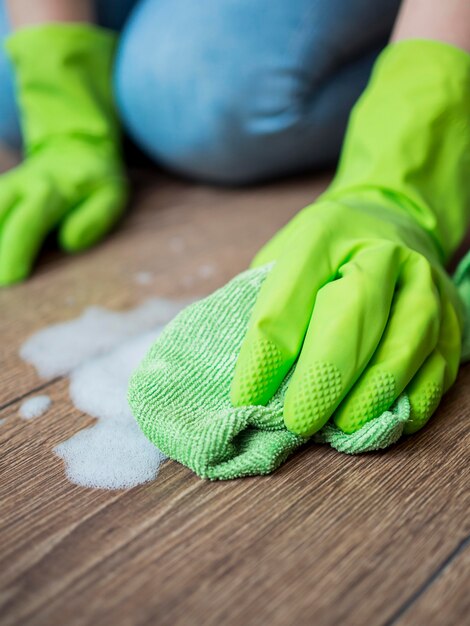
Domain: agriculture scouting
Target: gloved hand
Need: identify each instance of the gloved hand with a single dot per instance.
(358, 298)
(72, 176)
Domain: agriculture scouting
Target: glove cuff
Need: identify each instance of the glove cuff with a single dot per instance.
(408, 138)
(64, 82)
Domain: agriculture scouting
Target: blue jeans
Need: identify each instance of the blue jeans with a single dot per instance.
(235, 91)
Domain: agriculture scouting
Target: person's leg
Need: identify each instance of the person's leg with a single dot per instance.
(110, 13)
(236, 91)
(9, 126)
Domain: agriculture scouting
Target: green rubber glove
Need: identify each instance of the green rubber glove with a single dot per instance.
(358, 298)
(72, 176)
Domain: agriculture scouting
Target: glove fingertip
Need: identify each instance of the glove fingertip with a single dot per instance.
(301, 425)
(91, 221)
(259, 371)
(347, 427)
(73, 238)
(424, 402)
(312, 397)
(242, 392)
(11, 275)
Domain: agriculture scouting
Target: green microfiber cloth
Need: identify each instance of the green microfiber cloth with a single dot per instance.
(180, 394)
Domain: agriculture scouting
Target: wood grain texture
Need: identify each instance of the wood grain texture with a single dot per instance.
(328, 539)
(448, 588)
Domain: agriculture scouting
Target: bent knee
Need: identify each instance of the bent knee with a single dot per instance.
(208, 116)
(208, 131)
(203, 111)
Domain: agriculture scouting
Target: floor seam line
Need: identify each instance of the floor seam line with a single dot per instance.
(428, 582)
(27, 393)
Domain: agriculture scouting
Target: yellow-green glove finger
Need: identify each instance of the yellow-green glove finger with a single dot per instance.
(348, 320)
(280, 319)
(8, 197)
(25, 230)
(411, 334)
(92, 219)
(425, 392)
(437, 374)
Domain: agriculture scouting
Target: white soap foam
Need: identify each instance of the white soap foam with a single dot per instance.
(110, 456)
(113, 453)
(34, 407)
(143, 278)
(99, 386)
(60, 348)
(206, 271)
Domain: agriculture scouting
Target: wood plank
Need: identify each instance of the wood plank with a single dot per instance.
(327, 539)
(448, 588)
(346, 540)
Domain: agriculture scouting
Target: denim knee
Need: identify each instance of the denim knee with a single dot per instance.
(203, 113)
(222, 143)
(197, 127)
(235, 95)
(9, 125)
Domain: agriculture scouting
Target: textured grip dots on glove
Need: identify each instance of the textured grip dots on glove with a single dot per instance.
(423, 405)
(259, 371)
(376, 393)
(310, 402)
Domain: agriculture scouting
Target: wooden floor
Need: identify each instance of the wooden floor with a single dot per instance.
(328, 539)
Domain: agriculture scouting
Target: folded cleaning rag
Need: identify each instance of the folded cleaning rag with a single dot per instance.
(180, 394)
